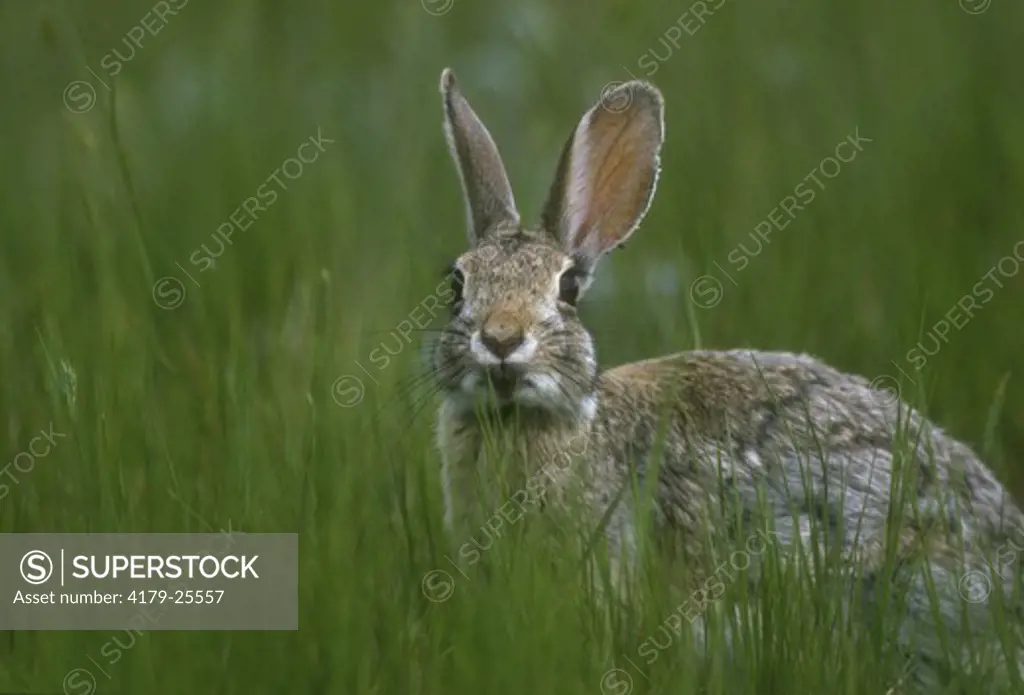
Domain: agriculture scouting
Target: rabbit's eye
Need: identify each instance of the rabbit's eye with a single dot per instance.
(569, 286)
(458, 280)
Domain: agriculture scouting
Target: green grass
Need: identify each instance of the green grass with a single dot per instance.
(220, 411)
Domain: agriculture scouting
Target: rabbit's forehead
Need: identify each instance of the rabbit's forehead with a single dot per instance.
(524, 266)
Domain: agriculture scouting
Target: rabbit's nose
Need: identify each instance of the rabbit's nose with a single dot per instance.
(502, 334)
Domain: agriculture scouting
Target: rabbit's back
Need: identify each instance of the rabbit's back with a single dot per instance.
(803, 432)
(745, 434)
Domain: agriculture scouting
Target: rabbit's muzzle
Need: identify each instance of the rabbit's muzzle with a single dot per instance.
(502, 334)
(505, 365)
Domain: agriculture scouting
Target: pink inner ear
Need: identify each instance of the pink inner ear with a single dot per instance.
(613, 171)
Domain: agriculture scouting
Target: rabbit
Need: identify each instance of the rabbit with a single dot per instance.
(738, 433)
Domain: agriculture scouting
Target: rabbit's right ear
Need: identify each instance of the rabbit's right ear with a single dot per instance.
(607, 173)
(489, 200)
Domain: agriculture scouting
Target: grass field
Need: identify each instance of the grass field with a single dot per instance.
(255, 383)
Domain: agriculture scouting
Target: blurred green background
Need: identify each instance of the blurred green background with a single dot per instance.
(213, 397)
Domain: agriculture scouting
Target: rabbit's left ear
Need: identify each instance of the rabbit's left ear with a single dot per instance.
(489, 200)
(607, 173)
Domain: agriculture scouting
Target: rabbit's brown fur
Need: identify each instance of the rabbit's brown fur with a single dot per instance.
(741, 434)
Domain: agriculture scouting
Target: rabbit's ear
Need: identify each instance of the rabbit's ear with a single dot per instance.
(489, 200)
(608, 171)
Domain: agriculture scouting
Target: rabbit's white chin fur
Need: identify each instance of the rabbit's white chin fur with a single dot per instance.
(533, 390)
